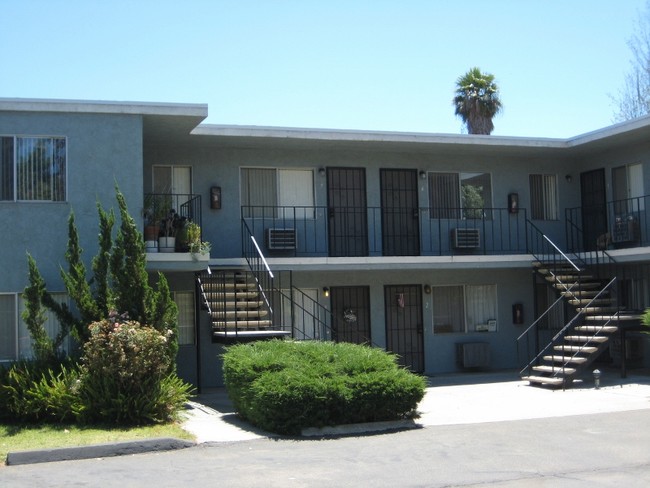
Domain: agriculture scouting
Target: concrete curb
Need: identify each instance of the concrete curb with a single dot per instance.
(96, 451)
(363, 428)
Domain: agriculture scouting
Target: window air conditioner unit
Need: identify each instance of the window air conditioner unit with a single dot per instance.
(280, 239)
(466, 238)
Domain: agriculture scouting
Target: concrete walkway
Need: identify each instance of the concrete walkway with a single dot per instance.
(466, 398)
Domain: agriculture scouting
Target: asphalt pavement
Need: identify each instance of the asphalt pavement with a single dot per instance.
(455, 399)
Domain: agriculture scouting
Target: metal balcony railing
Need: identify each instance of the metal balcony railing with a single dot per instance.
(166, 213)
(375, 231)
(616, 224)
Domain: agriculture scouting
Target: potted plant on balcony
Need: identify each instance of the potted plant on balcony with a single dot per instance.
(155, 209)
(196, 246)
(169, 227)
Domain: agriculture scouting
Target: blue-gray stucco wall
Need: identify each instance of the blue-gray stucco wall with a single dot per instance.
(102, 150)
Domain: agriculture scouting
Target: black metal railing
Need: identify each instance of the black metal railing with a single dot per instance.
(523, 340)
(375, 231)
(166, 213)
(617, 224)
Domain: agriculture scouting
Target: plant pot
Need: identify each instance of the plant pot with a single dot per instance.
(151, 246)
(151, 232)
(166, 244)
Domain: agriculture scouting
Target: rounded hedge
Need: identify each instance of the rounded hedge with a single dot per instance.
(285, 386)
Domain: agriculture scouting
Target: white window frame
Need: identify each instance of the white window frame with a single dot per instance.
(457, 211)
(472, 317)
(15, 183)
(22, 348)
(634, 187)
(190, 325)
(544, 201)
(294, 209)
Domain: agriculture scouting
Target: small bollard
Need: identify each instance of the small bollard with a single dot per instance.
(597, 378)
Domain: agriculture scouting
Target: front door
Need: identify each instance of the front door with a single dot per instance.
(594, 207)
(399, 212)
(350, 314)
(347, 212)
(404, 327)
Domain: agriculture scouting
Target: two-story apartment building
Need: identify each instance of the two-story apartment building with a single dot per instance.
(445, 249)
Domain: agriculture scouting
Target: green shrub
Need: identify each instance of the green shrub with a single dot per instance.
(284, 386)
(125, 375)
(32, 391)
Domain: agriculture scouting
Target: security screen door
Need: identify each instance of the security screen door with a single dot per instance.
(347, 212)
(594, 207)
(404, 326)
(350, 314)
(400, 217)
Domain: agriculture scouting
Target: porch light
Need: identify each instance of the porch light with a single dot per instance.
(568, 178)
(427, 289)
(423, 175)
(597, 379)
(321, 171)
(326, 291)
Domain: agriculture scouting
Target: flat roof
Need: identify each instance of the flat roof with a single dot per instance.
(100, 106)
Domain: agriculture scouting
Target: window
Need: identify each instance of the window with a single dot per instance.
(627, 189)
(15, 341)
(460, 195)
(277, 193)
(32, 168)
(172, 179)
(8, 330)
(185, 302)
(463, 309)
(543, 197)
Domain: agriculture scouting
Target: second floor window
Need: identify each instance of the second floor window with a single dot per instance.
(277, 193)
(33, 168)
(460, 195)
(543, 197)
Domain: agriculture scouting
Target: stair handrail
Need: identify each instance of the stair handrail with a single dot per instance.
(261, 276)
(532, 251)
(569, 325)
(547, 311)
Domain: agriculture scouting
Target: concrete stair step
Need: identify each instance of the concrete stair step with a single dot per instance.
(565, 359)
(597, 329)
(544, 380)
(593, 301)
(241, 324)
(598, 310)
(580, 349)
(586, 339)
(242, 304)
(574, 285)
(231, 295)
(239, 314)
(563, 370)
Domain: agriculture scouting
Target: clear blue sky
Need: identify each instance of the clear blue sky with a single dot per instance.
(345, 64)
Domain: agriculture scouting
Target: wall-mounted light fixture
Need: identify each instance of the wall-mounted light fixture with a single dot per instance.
(568, 178)
(423, 175)
(321, 171)
(326, 291)
(427, 289)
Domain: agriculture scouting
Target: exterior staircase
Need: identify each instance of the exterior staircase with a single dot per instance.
(238, 309)
(586, 336)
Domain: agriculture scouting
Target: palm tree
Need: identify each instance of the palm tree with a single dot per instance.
(477, 101)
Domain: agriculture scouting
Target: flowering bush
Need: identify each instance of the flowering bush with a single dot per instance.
(126, 374)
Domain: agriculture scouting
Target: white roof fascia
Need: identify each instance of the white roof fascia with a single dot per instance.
(612, 130)
(373, 136)
(85, 106)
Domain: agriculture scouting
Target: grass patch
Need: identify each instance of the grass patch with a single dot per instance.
(15, 438)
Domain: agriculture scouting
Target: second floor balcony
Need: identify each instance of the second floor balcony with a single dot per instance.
(171, 223)
(374, 231)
